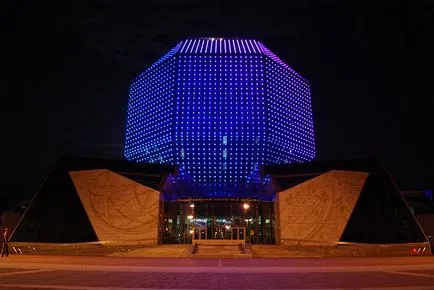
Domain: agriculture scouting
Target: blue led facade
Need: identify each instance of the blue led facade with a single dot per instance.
(218, 109)
(150, 121)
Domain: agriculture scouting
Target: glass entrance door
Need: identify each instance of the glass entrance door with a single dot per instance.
(208, 233)
(200, 233)
(185, 220)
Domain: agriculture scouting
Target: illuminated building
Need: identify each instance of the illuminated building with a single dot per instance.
(219, 145)
(218, 109)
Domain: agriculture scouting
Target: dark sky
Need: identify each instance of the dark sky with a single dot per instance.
(68, 65)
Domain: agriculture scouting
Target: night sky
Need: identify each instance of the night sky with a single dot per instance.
(67, 68)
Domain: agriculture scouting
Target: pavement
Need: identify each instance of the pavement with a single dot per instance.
(133, 273)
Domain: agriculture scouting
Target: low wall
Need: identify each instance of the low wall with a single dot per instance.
(359, 249)
(404, 249)
(85, 249)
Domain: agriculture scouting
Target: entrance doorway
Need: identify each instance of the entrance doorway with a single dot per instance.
(202, 233)
(247, 220)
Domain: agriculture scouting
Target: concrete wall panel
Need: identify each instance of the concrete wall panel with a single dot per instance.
(118, 208)
(316, 212)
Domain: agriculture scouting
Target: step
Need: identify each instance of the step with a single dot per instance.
(221, 251)
(213, 256)
(219, 248)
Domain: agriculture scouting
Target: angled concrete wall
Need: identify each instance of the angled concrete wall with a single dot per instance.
(316, 212)
(118, 208)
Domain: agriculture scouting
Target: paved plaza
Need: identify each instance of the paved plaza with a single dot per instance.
(102, 273)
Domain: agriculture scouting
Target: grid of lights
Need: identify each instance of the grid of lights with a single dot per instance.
(220, 116)
(291, 134)
(150, 115)
(218, 109)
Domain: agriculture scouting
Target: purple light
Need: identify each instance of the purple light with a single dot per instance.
(248, 48)
(206, 46)
(183, 45)
(189, 43)
(242, 44)
(238, 44)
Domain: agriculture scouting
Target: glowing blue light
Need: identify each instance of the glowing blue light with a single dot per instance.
(219, 108)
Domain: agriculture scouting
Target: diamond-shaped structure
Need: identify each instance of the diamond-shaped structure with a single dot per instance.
(218, 109)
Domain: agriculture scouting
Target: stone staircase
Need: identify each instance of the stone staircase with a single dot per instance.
(221, 251)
